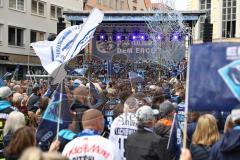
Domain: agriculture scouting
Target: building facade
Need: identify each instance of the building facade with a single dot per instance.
(23, 22)
(110, 5)
(223, 14)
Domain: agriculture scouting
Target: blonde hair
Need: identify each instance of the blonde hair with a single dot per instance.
(36, 154)
(14, 121)
(206, 132)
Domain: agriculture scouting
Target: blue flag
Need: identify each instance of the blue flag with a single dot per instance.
(214, 76)
(175, 140)
(135, 77)
(47, 129)
(98, 99)
(2, 82)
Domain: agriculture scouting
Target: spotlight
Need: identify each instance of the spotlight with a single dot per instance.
(159, 37)
(118, 37)
(176, 37)
(133, 37)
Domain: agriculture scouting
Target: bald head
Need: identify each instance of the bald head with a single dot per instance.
(93, 119)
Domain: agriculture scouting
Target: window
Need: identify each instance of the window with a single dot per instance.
(15, 36)
(38, 7)
(1, 3)
(1, 33)
(99, 1)
(134, 8)
(16, 4)
(121, 5)
(205, 5)
(105, 2)
(111, 4)
(56, 12)
(36, 36)
(229, 18)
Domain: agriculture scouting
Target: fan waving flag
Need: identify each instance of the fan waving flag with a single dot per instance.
(55, 54)
(47, 129)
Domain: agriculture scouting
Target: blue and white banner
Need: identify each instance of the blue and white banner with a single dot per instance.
(175, 142)
(47, 129)
(214, 76)
(67, 45)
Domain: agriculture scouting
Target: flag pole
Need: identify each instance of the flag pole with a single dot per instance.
(186, 103)
(60, 108)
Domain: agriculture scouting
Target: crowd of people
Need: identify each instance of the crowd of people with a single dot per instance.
(121, 122)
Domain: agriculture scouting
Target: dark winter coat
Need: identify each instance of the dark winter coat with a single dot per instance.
(200, 152)
(228, 147)
(145, 145)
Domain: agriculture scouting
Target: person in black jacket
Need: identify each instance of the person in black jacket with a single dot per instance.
(228, 147)
(145, 144)
(80, 103)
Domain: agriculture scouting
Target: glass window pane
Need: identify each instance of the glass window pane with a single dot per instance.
(20, 5)
(33, 36)
(233, 10)
(11, 36)
(41, 9)
(59, 12)
(234, 17)
(53, 12)
(224, 10)
(19, 37)
(224, 17)
(229, 16)
(12, 4)
(229, 3)
(209, 6)
(234, 3)
(34, 7)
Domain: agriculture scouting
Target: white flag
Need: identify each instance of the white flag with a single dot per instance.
(55, 54)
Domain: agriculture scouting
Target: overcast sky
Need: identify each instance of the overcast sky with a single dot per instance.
(179, 4)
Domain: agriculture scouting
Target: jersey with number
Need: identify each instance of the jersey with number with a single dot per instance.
(108, 113)
(122, 126)
(89, 147)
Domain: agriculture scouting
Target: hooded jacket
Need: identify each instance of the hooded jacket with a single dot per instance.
(228, 148)
(5, 110)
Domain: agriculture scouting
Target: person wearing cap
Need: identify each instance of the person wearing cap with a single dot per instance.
(166, 112)
(124, 125)
(5, 109)
(89, 144)
(228, 147)
(144, 143)
(34, 98)
(164, 124)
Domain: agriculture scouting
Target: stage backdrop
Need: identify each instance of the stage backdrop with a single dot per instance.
(132, 50)
(214, 80)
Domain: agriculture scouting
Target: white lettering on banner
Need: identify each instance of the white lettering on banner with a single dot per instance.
(85, 148)
(129, 50)
(3, 116)
(233, 53)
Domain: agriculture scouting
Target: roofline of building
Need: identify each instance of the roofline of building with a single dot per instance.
(138, 13)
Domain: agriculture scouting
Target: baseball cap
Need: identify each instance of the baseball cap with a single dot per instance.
(5, 92)
(235, 114)
(146, 113)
